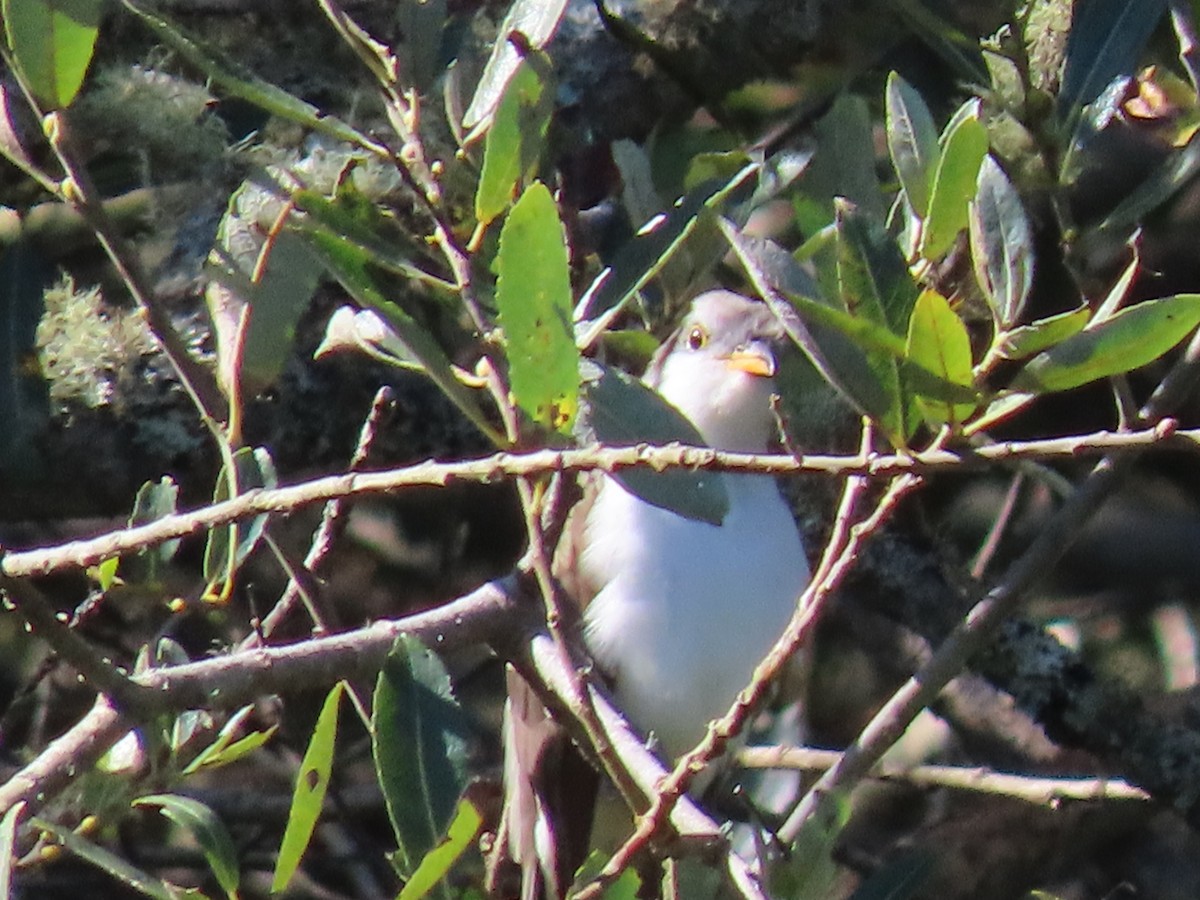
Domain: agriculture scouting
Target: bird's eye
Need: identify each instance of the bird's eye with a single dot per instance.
(697, 338)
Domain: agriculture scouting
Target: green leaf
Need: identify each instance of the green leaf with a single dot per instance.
(51, 42)
(208, 830)
(225, 749)
(938, 342)
(352, 265)
(621, 411)
(533, 296)
(964, 145)
(843, 165)
(24, 397)
(8, 844)
(912, 141)
(110, 862)
(536, 21)
(437, 862)
(1001, 244)
(644, 256)
(809, 872)
(422, 28)
(516, 139)
(1035, 337)
(418, 737)
(900, 878)
(836, 342)
(229, 545)
(309, 795)
(1126, 341)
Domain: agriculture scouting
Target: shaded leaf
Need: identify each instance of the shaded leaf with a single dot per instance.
(533, 295)
(516, 139)
(1037, 336)
(420, 50)
(418, 738)
(621, 411)
(1167, 180)
(899, 878)
(809, 872)
(842, 166)
(51, 42)
(24, 397)
(873, 279)
(1105, 41)
(1128, 340)
(229, 545)
(537, 21)
(1001, 244)
(964, 145)
(437, 862)
(938, 342)
(309, 795)
(912, 140)
(208, 830)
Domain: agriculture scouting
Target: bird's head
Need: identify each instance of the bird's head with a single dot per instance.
(718, 369)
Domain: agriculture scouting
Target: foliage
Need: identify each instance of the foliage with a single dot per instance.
(943, 288)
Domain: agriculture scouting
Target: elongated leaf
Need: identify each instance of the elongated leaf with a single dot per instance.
(115, 865)
(351, 265)
(1035, 337)
(912, 141)
(225, 749)
(309, 795)
(1106, 40)
(208, 830)
(418, 736)
(1130, 339)
(420, 51)
(1001, 244)
(533, 294)
(964, 145)
(648, 251)
(810, 872)
(537, 21)
(621, 411)
(843, 165)
(832, 339)
(229, 545)
(51, 42)
(938, 342)
(437, 862)
(516, 138)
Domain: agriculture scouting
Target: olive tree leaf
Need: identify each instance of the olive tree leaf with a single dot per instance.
(912, 140)
(1001, 244)
(209, 831)
(938, 342)
(964, 145)
(1127, 340)
(51, 42)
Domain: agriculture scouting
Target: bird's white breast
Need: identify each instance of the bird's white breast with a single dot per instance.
(687, 609)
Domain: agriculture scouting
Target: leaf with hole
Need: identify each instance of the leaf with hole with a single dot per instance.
(308, 797)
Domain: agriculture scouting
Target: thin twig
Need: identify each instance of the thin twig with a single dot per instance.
(83, 553)
(1035, 789)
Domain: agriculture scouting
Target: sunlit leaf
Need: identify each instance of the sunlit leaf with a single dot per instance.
(536, 21)
(938, 342)
(208, 830)
(437, 862)
(912, 141)
(51, 42)
(1001, 244)
(1035, 337)
(964, 145)
(418, 736)
(621, 411)
(1126, 341)
(516, 139)
(533, 295)
(227, 747)
(309, 795)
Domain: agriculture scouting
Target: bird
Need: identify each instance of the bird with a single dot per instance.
(677, 613)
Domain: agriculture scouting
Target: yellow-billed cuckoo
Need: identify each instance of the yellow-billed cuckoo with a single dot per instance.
(677, 613)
